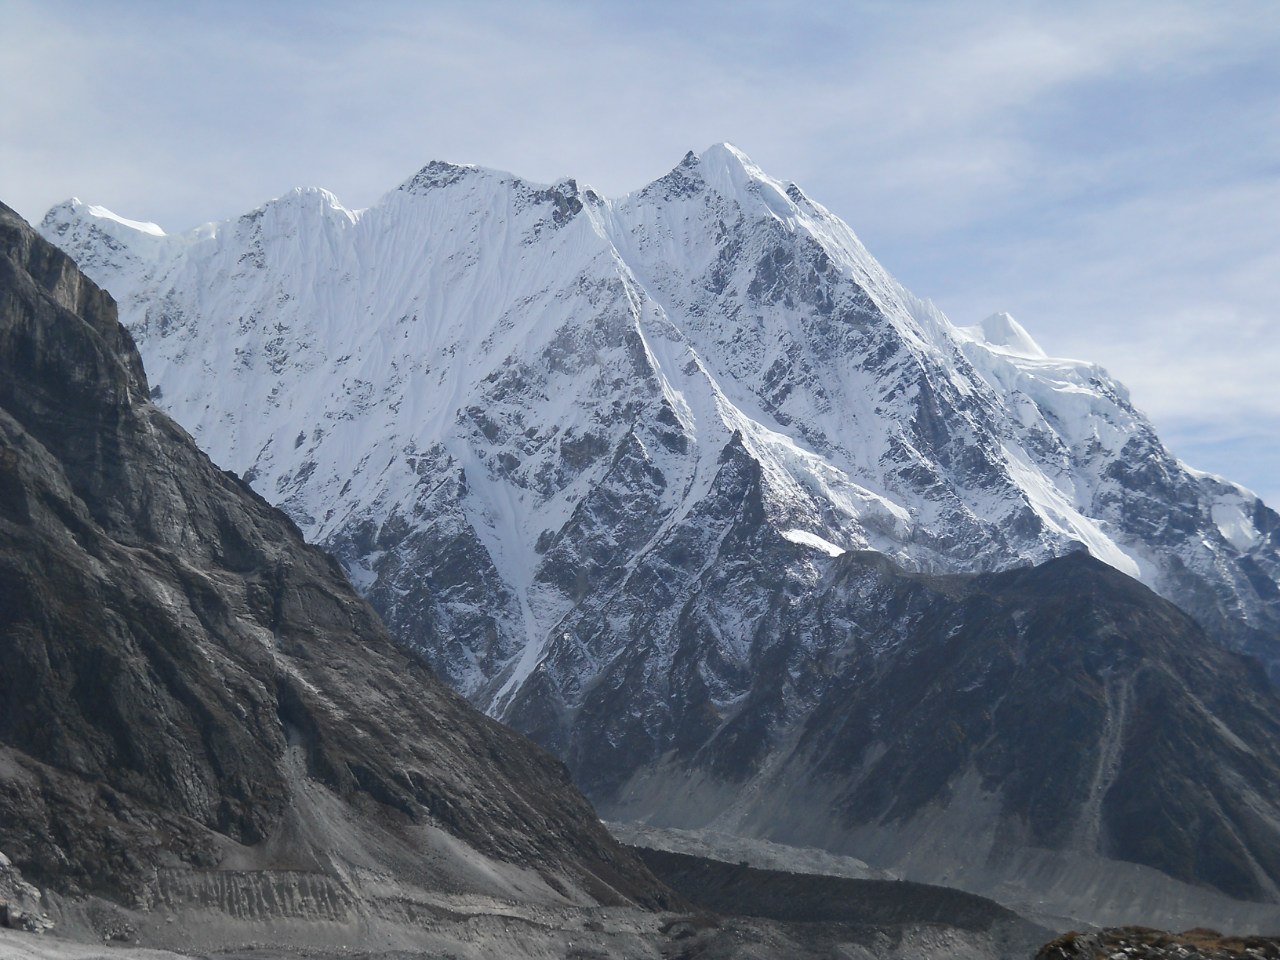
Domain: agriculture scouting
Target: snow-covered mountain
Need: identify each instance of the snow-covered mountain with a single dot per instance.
(590, 455)
(506, 405)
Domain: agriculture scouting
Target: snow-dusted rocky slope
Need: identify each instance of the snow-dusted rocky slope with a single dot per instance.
(600, 459)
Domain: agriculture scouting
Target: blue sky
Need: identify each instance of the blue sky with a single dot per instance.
(1107, 172)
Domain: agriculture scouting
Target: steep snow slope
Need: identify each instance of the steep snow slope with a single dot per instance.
(500, 403)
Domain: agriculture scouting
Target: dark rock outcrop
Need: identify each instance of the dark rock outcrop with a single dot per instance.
(21, 904)
(1143, 943)
(185, 685)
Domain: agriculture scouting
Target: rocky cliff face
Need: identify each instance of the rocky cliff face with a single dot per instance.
(1055, 734)
(188, 690)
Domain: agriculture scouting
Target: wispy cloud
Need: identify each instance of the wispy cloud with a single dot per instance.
(1109, 172)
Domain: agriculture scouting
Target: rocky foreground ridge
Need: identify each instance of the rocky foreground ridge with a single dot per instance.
(1142, 943)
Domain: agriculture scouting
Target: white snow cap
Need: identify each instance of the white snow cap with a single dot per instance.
(731, 173)
(1001, 332)
(142, 227)
(727, 157)
(75, 209)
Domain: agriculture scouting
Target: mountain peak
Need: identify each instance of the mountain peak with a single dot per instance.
(438, 173)
(300, 202)
(725, 154)
(725, 170)
(75, 209)
(731, 172)
(307, 194)
(1001, 332)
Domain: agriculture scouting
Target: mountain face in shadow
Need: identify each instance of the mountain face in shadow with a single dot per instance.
(1057, 733)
